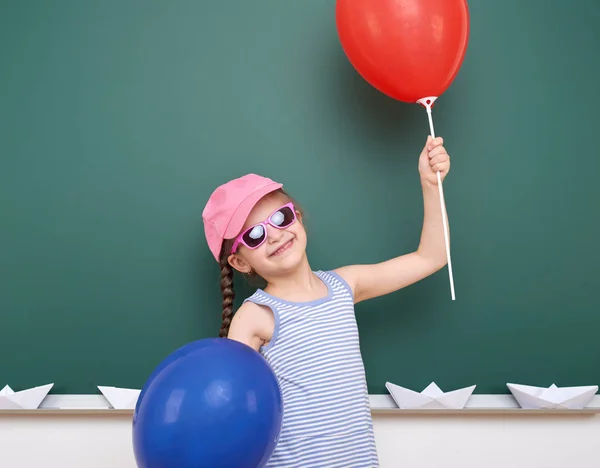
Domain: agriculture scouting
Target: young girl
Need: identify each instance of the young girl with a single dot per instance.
(303, 321)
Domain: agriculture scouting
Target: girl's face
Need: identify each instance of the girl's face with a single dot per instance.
(282, 249)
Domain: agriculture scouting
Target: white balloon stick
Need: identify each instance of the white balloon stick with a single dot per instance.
(427, 103)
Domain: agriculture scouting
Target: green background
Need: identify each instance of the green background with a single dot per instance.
(118, 119)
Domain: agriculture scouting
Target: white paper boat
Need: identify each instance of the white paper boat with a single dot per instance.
(530, 397)
(120, 398)
(430, 398)
(25, 399)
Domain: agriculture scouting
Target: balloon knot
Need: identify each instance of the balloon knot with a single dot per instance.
(427, 102)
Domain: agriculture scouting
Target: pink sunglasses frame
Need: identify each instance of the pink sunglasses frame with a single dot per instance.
(240, 239)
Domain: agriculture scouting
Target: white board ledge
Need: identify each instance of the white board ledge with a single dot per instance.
(479, 404)
(380, 404)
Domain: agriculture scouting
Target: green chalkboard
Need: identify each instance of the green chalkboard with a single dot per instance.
(118, 118)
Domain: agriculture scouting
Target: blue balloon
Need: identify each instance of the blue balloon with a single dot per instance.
(180, 352)
(211, 403)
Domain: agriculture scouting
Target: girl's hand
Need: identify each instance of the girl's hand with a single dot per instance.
(433, 158)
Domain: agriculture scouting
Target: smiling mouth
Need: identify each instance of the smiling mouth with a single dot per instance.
(283, 248)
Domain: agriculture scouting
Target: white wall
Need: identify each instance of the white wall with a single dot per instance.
(406, 441)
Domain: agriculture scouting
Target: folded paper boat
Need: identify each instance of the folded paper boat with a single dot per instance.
(120, 398)
(553, 397)
(431, 397)
(24, 399)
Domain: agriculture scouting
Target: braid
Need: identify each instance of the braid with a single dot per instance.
(228, 295)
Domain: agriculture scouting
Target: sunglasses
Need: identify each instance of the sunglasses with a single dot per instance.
(255, 236)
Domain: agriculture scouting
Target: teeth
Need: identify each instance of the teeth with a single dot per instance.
(282, 247)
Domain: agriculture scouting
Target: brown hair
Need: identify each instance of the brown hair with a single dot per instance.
(226, 288)
(227, 274)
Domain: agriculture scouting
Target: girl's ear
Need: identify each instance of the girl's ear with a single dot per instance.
(299, 216)
(239, 264)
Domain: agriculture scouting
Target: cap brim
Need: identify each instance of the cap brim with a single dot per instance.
(243, 210)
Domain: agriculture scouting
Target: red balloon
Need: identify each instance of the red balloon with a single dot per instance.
(407, 49)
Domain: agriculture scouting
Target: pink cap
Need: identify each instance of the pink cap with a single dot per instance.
(229, 205)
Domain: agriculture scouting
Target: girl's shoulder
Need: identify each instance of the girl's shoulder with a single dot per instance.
(252, 324)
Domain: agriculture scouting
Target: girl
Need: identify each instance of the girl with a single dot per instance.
(303, 321)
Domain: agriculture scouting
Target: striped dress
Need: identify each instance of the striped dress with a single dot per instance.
(315, 354)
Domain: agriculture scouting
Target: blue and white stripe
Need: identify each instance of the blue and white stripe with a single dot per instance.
(315, 354)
